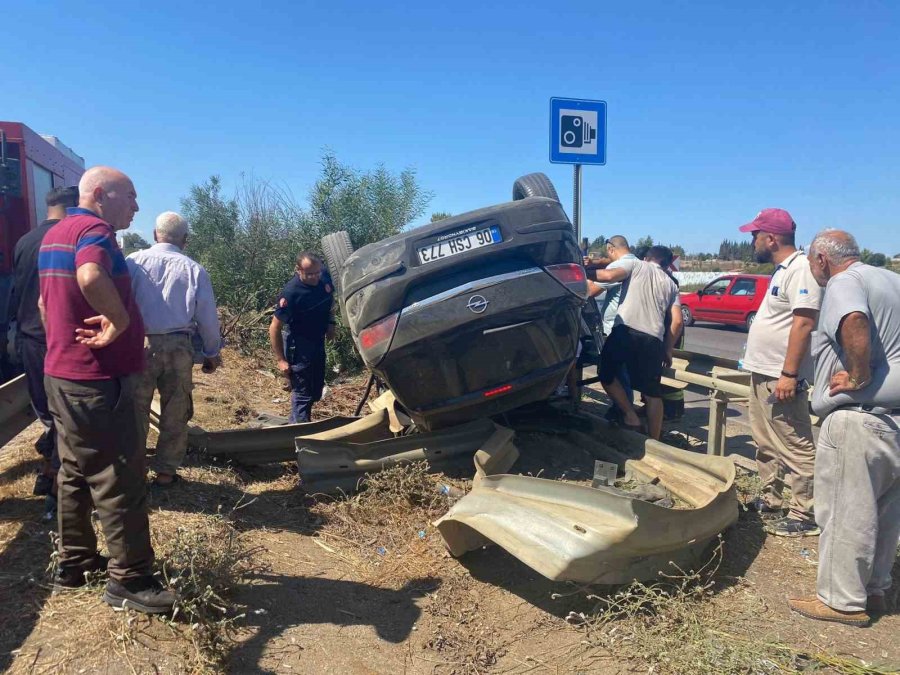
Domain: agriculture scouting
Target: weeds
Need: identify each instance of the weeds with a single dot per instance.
(674, 625)
(204, 564)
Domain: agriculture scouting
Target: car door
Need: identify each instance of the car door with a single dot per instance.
(709, 305)
(740, 301)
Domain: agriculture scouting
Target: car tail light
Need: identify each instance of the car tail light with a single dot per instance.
(374, 340)
(498, 390)
(571, 276)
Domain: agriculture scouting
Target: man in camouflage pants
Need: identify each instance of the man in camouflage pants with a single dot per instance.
(176, 299)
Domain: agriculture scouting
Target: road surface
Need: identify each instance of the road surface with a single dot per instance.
(715, 340)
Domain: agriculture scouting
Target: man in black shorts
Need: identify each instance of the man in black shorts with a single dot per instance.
(647, 326)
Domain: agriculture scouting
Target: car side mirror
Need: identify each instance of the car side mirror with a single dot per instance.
(700, 293)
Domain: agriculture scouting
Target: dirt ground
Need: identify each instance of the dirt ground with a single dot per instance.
(364, 585)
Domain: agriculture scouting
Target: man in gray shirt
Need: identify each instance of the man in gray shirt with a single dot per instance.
(648, 323)
(857, 476)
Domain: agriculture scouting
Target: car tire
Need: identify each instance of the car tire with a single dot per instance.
(686, 316)
(534, 185)
(751, 317)
(337, 248)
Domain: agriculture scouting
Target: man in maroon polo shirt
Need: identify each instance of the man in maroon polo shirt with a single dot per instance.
(95, 341)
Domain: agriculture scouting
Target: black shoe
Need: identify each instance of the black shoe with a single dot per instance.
(145, 594)
(791, 527)
(673, 410)
(43, 485)
(68, 577)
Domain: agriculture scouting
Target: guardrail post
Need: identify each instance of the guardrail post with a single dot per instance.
(718, 406)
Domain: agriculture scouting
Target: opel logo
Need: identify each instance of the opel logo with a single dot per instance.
(477, 303)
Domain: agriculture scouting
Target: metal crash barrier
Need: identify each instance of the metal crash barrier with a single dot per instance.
(720, 379)
(15, 409)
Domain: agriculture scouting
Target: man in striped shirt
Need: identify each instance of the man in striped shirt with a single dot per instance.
(95, 341)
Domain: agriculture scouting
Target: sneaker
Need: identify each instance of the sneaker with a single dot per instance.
(144, 594)
(765, 511)
(69, 577)
(791, 527)
(813, 608)
(43, 485)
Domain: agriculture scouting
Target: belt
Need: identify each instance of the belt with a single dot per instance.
(871, 409)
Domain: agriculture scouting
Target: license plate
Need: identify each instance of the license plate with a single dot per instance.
(461, 243)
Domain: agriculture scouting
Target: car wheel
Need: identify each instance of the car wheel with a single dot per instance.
(686, 316)
(751, 317)
(337, 248)
(534, 185)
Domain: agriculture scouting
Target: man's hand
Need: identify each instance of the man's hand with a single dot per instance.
(211, 363)
(668, 358)
(103, 336)
(785, 388)
(842, 382)
(284, 368)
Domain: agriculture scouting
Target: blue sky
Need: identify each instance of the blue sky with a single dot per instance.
(716, 110)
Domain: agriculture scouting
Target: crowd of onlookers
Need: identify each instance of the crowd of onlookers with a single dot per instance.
(827, 320)
(99, 334)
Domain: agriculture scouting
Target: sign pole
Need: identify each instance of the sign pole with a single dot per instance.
(576, 208)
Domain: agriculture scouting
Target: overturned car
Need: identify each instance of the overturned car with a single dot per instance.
(470, 316)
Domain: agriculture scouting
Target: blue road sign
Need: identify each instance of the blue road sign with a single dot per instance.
(577, 131)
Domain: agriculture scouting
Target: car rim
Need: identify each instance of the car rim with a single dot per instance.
(686, 315)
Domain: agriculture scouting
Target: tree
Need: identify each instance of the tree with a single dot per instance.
(644, 241)
(599, 244)
(440, 215)
(872, 258)
(249, 242)
(132, 241)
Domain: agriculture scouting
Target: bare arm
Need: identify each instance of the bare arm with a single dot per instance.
(855, 340)
(676, 325)
(802, 326)
(277, 343)
(98, 289)
(42, 310)
(614, 275)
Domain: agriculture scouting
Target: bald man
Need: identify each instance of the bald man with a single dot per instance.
(95, 341)
(857, 396)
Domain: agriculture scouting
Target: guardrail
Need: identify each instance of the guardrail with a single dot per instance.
(720, 378)
(717, 377)
(15, 409)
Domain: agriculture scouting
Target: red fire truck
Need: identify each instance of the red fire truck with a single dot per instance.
(31, 165)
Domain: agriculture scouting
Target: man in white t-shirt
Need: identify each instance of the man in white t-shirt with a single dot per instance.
(778, 358)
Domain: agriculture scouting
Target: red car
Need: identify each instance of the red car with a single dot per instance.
(732, 299)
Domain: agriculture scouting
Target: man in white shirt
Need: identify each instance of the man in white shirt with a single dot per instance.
(613, 279)
(176, 299)
(778, 358)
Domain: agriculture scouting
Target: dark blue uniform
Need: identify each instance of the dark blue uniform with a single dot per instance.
(306, 311)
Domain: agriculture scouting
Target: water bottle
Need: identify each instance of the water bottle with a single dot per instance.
(743, 354)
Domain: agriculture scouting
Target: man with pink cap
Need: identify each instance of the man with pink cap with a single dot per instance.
(778, 358)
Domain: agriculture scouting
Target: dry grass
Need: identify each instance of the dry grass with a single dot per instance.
(386, 528)
(675, 625)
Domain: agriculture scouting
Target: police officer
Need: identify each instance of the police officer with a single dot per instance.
(304, 309)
